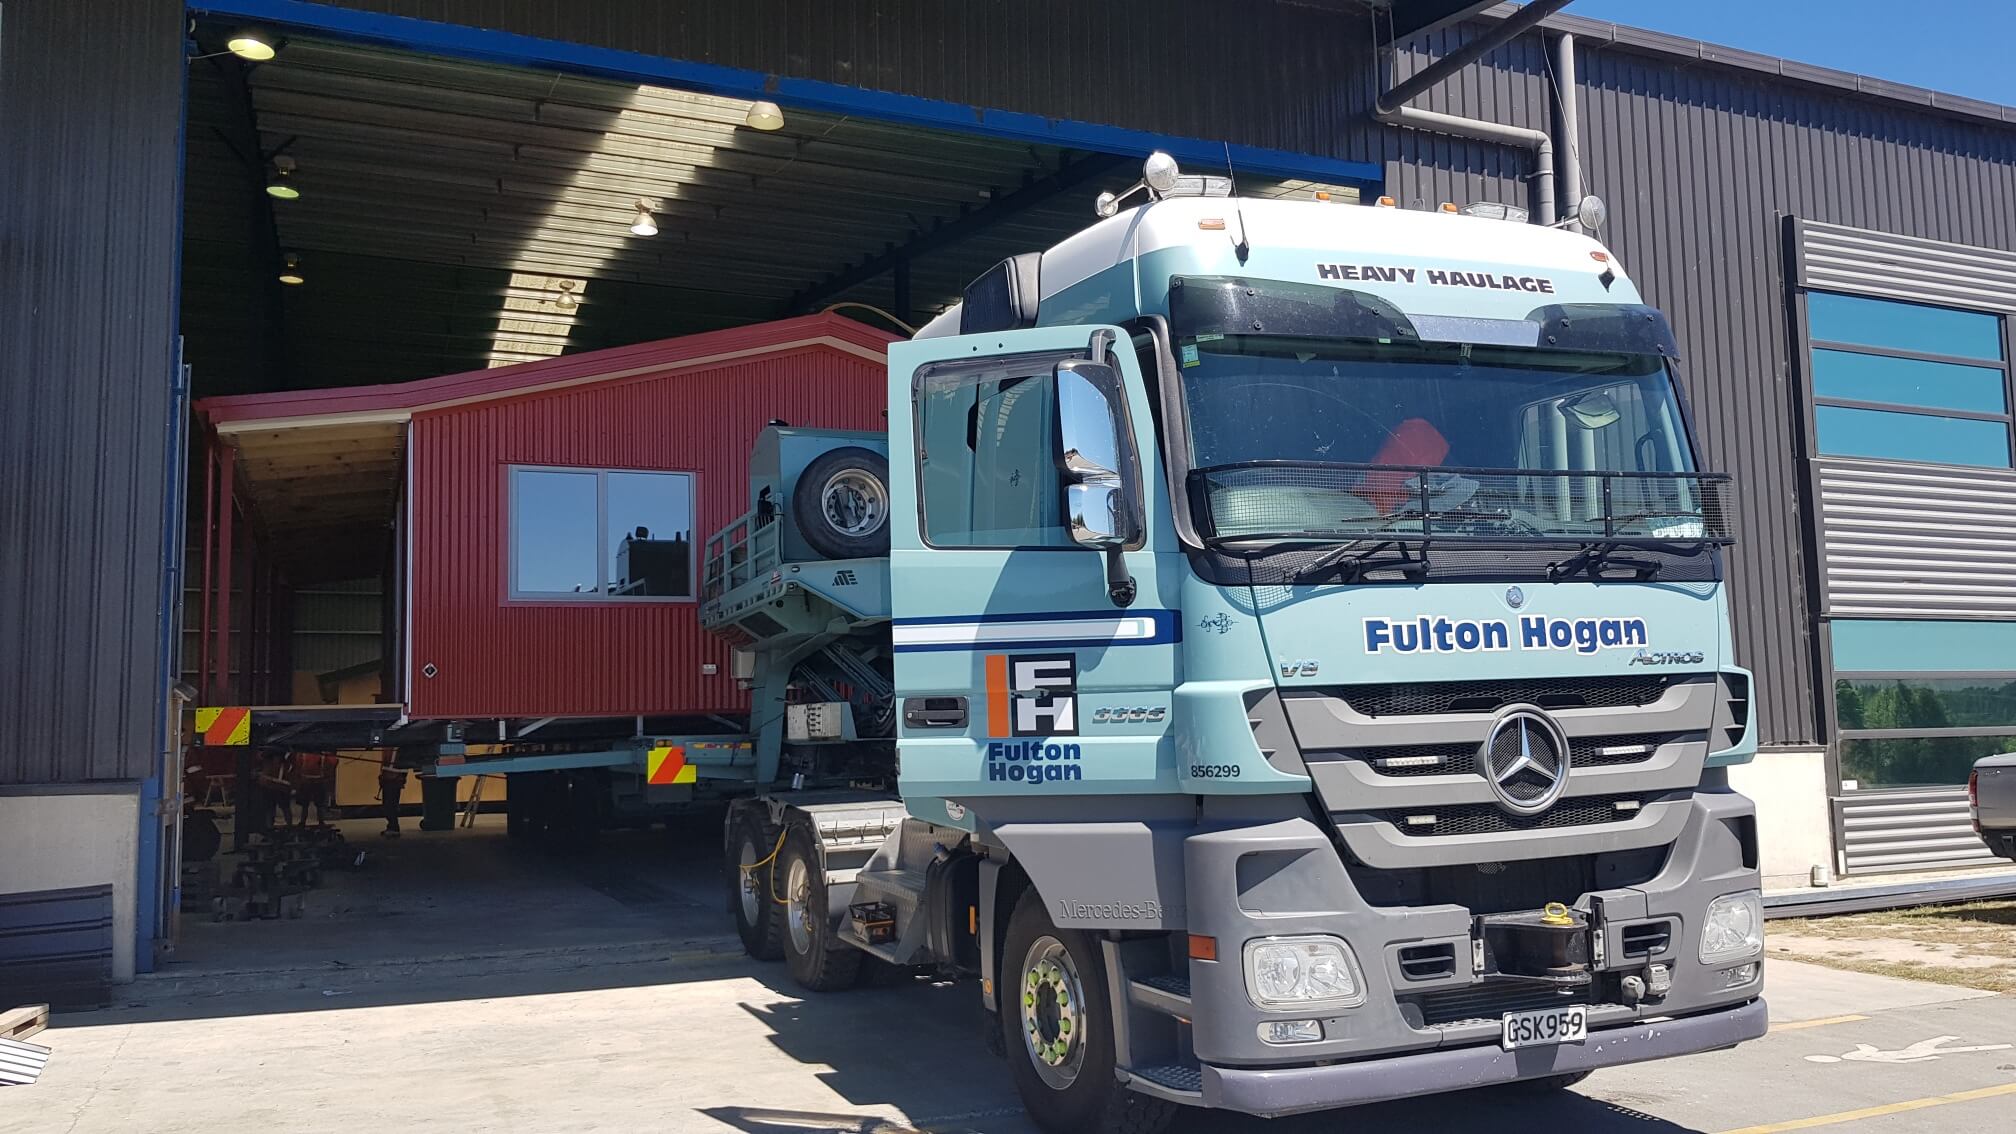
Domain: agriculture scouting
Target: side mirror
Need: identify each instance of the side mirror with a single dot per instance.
(1100, 504)
(1097, 505)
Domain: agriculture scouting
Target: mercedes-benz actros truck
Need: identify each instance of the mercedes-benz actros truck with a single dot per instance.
(1279, 650)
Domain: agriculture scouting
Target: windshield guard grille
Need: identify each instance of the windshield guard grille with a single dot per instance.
(1300, 500)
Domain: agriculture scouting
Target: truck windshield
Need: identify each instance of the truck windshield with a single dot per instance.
(1294, 437)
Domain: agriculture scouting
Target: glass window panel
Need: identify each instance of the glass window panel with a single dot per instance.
(1908, 381)
(987, 472)
(1845, 432)
(553, 532)
(650, 534)
(1879, 646)
(1925, 702)
(1927, 761)
(1903, 326)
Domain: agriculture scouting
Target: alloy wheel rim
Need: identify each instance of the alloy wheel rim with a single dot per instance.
(1053, 1013)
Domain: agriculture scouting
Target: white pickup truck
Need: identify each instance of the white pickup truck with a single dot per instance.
(1991, 796)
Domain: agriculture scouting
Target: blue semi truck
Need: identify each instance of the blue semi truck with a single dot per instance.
(1279, 650)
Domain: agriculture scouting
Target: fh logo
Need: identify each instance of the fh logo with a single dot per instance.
(1032, 695)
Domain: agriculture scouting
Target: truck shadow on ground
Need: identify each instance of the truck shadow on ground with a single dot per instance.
(915, 1047)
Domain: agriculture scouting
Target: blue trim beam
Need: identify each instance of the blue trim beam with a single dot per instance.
(490, 46)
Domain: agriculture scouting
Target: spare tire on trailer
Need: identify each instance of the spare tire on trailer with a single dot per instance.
(841, 504)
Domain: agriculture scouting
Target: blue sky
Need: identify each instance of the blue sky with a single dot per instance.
(1960, 46)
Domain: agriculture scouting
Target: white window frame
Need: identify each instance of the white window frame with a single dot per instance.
(599, 595)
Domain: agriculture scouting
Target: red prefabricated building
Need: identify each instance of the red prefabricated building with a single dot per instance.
(693, 405)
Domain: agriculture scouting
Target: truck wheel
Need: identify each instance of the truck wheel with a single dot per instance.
(1057, 1025)
(819, 960)
(758, 919)
(841, 504)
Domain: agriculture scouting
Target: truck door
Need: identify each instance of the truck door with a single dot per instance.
(1016, 668)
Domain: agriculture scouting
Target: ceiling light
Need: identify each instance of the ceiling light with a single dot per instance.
(250, 45)
(290, 272)
(280, 182)
(644, 225)
(765, 116)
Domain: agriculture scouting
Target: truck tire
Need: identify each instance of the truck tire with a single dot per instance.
(759, 920)
(819, 960)
(841, 504)
(1057, 1026)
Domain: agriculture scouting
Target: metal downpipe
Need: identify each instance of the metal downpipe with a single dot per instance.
(1537, 141)
(1390, 108)
(1571, 125)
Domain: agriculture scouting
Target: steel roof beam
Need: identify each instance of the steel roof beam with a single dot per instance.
(946, 232)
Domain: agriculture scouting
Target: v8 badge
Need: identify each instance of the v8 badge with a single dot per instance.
(1299, 667)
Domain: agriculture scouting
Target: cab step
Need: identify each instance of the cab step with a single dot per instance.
(1173, 1081)
(1168, 993)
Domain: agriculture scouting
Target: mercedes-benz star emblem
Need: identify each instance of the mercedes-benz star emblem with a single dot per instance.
(1525, 759)
(1515, 598)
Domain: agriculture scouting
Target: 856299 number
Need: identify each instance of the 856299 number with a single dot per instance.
(1214, 771)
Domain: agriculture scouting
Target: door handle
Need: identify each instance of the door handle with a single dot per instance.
(934, 712)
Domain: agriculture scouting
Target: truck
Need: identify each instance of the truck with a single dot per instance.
(1278, 651)
(1991, 802)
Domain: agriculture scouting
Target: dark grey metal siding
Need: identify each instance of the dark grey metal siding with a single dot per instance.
(1245, 71)
(1700, 164)
(89, 196)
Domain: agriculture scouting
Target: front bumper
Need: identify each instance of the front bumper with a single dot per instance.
(1272, 1092)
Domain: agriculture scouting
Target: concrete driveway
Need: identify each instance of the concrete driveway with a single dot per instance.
(707, 1041)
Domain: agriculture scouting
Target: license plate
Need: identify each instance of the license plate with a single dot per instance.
(1545, 1027)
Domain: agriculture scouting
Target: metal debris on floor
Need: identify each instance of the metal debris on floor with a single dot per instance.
(21, 1063)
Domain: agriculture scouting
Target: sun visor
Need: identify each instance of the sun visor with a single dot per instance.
(1003, 298)
(1231, 305)
(1608, 328)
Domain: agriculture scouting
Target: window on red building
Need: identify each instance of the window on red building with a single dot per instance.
(611, 535)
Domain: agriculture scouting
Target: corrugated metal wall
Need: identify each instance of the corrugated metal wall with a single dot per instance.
(1700, 165)
(1254, 72)
(498, 659)
(89, 202)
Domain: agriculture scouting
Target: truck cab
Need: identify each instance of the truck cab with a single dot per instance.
(1312, 664)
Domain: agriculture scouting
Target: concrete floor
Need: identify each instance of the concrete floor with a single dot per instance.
(723, 1044)
(467, 901)
(605, 992)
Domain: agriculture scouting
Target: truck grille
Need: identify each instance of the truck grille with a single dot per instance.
(1485, 1002)
(1488, 819)
(1461, 759)
(1425, 698)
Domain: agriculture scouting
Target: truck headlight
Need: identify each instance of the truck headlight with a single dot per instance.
(1302, 972)
(1733, 928)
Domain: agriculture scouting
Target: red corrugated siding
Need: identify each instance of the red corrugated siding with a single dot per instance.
(500, 659)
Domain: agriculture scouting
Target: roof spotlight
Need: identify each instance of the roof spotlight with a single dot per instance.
(1159, 172)
(645, 224)
(290, 270)
(764, 116)
(1106, 205)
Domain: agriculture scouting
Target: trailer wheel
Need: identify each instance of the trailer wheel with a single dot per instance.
(819, 960)
(758, 918)
(1057, 1025)
(841, 504)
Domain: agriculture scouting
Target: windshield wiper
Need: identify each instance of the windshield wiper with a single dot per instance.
(1597, 558)
(1353, 564)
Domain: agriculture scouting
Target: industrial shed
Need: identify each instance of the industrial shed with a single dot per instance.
(468, 175)
(540, 522)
